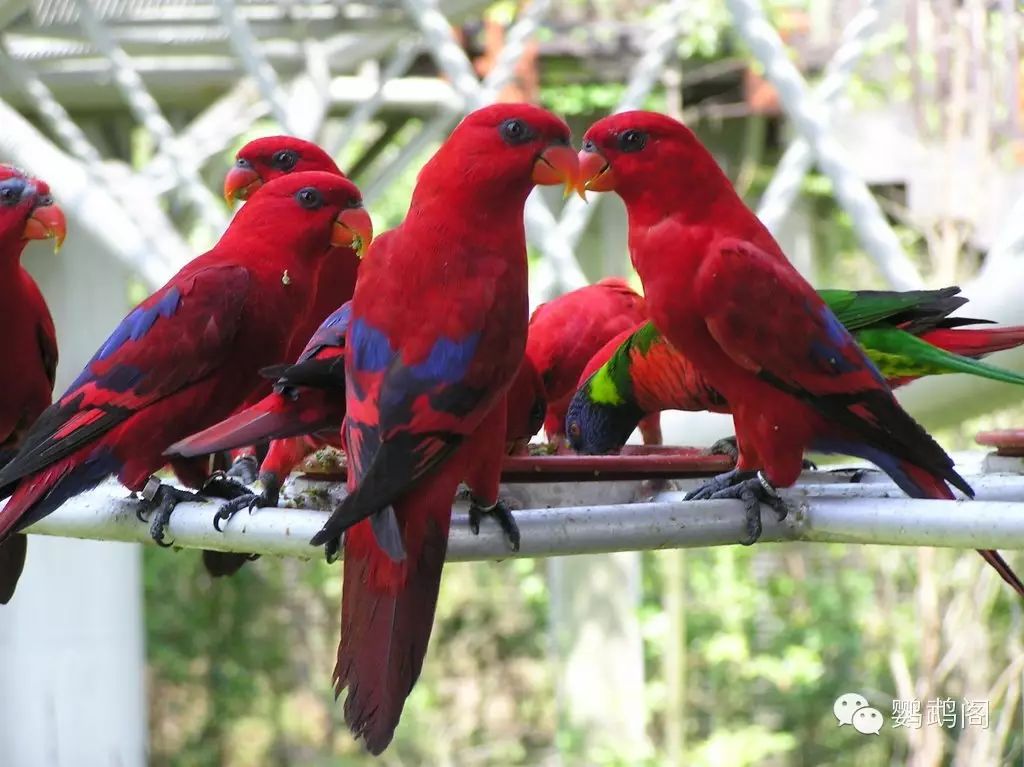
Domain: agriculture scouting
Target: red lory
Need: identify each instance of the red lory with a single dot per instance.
(438, 332)
(723, 293)
(188, 355)
(566, 332)
(29, 363)
(907, 335)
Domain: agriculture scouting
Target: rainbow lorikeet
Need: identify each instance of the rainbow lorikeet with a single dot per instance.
(639, 373)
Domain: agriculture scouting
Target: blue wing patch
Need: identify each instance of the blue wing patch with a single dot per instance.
(132, 328)
(448, 360)
(371, 351)
(330, 333)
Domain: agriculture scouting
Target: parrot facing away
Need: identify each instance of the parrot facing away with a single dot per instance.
(721, 290)
(639, 372)
(28, 366)
(306, 409)
(188, 355)
(564, 334)
(438, 332)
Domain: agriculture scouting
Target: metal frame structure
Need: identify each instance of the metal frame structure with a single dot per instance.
(827, 508)
(287, 63)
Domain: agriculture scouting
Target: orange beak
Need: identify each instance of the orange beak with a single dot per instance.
(353, 229)
(558, 164)
(47, 222)
(596, 175)
(240, 183)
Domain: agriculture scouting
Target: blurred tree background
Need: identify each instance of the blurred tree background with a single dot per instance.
(745, 650)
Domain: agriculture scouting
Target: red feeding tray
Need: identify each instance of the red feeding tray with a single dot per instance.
(635, 462)
(1005, 441)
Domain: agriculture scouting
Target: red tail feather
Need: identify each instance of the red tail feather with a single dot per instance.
(388, 611)
(976, 342)
(933, 487)
(273, 417)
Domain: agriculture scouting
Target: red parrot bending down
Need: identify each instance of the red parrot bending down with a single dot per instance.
(723, 293)
(566, 332)
(28, 365)
(188, 355)
(438, 332)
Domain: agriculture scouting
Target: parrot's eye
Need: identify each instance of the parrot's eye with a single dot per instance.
(10, 193)
(589, 146)
(284, 160)
(241, 162)
(632, 140)
(515, 131)
(44, 200)
(574, 431)
(309, 198)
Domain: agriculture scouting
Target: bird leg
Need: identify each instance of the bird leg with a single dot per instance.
(245, 469)
(501, 513)
(160, 500)
(269, 497)
(754, 491)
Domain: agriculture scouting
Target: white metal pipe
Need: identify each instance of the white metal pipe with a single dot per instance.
(797, 159)
(247, 46)
(862, 513)
(873, 231)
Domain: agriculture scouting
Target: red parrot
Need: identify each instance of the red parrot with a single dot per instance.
(29, 363)
(565, 333)
(722, 292)
(527, 404)
(256, 163)
(438, 332)
(188, 355)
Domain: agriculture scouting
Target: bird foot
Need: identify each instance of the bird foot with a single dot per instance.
(753, 492)
(245, 469)
(159, 500)
(270, 496)
(717, 483)
(501, 513)
(220, 485)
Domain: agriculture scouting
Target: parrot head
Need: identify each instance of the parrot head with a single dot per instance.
(322, 210)
(527, 405)
(27, 210)
(624, 152)
(599, 419)
(265, 159)
(503, 150)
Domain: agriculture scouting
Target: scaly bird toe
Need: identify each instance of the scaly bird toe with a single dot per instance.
(501, 514)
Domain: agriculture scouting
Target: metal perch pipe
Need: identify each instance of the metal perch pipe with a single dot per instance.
(835, 512)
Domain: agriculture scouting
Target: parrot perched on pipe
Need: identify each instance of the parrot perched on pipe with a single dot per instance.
(188, 355)
(639, 373)
(256, 163)
(564, 334)
(438, 332)
(28, 365)
(719, 287)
